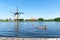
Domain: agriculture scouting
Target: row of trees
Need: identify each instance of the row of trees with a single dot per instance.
(39, 19)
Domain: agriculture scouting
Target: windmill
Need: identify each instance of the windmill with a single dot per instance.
(16, 14)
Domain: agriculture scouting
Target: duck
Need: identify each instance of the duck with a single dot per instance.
(42, 27)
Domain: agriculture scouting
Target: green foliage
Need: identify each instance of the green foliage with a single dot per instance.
(19, 19)
(40, 19)
(6, 20)
(57, 19)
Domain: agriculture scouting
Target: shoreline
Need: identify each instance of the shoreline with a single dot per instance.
(12, 38)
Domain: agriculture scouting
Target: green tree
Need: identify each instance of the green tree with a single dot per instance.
(40, 19)
(57, 19)
(20, 19)
(6, 20)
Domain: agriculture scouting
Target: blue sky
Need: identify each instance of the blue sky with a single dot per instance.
(47, 9)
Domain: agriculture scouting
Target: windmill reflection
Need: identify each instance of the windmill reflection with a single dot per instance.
(16, 27)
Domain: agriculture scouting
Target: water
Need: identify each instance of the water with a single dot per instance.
(30, 29)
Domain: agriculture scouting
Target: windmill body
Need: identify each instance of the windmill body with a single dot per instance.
(16, 16)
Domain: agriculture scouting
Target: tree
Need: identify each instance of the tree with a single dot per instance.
(20, 19)
(57, 19)
(6, 20)
(40, 19)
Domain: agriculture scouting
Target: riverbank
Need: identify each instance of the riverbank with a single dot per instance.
(30, 21)
(11, 38)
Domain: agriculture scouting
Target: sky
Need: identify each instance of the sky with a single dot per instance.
(47, 9)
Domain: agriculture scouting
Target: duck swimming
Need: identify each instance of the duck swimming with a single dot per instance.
(43, 27)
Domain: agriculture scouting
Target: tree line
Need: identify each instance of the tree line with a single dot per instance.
(39, 19)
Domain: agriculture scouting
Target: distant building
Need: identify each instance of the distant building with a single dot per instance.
(32, 19)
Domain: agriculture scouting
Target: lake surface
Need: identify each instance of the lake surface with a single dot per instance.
(30, 29)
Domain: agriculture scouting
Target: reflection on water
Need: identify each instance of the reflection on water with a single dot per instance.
(17, 27)
(30, 29)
